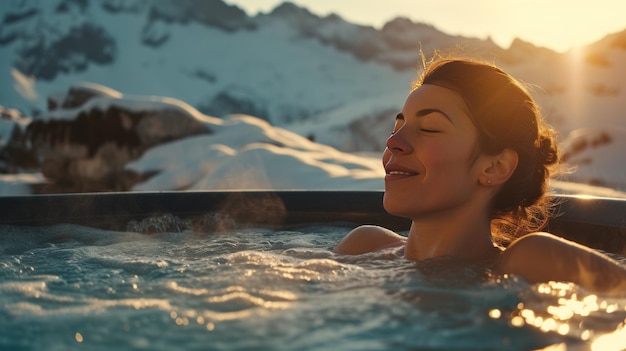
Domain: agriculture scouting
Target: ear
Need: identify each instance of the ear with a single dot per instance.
(499, 168)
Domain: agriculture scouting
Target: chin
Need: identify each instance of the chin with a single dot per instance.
(395, 207)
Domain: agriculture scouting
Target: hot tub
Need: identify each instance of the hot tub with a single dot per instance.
(255, 270)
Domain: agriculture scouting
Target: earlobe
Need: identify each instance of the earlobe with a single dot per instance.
(500, 168)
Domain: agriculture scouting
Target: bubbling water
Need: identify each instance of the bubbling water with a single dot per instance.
(257, 288)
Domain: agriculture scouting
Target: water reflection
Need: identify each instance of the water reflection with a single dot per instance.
(568, 310)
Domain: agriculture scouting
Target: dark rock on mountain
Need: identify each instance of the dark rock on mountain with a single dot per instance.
(13, 17)
(212, 13)
(73, 52)
(224, 102)
(65, 6)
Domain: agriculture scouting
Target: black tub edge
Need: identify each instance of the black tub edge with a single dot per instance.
(597, 222)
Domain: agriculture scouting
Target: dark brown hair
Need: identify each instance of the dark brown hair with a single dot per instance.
(506, 116)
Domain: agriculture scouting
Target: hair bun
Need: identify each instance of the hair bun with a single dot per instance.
(547, 152)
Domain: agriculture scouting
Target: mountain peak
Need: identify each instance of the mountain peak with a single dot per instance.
(289, 8)
(214, 13)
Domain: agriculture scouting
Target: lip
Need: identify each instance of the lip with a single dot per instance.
(397, 172)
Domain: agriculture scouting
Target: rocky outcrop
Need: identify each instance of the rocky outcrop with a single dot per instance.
(92, 132)
(13, 156)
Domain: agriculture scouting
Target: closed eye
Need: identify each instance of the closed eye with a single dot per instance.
(430, 130)
(398, 123)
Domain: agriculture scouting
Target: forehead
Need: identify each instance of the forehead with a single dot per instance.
(430, 96)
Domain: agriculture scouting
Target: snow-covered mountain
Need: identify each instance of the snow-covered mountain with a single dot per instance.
(323, 78)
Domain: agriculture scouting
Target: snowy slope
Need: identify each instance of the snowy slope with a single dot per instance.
(279, 74)
(598, 155)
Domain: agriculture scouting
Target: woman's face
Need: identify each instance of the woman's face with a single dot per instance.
(429, 159)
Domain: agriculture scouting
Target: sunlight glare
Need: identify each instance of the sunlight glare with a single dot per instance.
(576, 74)
(561, 309)
(615, 341)
(78, 337)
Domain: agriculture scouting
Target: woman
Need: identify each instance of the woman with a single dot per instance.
(468, 161)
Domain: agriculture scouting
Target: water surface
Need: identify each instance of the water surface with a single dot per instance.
(69, 287)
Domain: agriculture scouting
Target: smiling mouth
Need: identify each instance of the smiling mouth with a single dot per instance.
(401, 173)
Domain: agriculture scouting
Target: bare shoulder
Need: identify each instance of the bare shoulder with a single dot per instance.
(537, 242)
(543, 257)
(532, 251)
(368, 238)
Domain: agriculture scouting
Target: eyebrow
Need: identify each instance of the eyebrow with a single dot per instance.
(428, 111)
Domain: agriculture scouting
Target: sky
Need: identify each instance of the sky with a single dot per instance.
(556, 24)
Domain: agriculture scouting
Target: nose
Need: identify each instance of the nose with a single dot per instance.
(398, 144)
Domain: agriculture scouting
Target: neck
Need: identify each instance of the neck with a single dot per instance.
(465, 236)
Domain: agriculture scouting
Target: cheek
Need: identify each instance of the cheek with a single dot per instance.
(447, 156)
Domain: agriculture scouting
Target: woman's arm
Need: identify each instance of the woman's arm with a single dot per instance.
(543, 257)
(368, 238)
